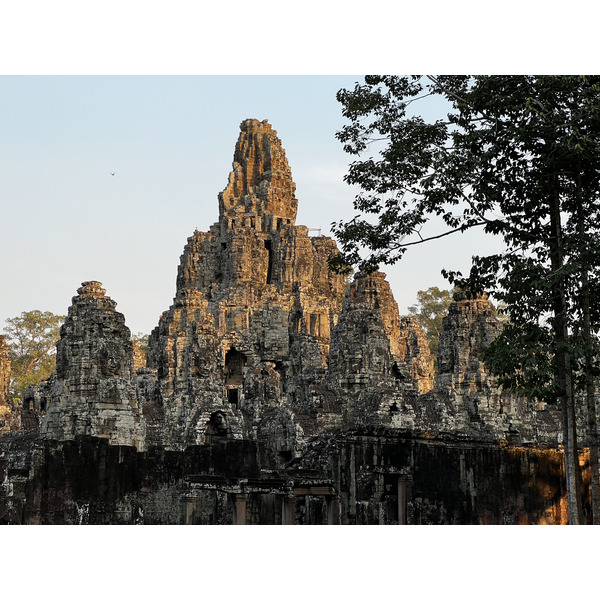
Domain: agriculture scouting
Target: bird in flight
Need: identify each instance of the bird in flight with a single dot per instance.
(113, 173)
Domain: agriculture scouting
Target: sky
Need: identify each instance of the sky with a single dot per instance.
(157, 96)
(170, 141)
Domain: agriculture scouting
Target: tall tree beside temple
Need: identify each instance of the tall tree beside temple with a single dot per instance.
(518, 156)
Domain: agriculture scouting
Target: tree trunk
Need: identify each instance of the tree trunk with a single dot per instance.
(589, 380)
(563, 363)
(592, 425)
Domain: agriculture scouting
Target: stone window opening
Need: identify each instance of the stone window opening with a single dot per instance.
(223, 245)
(397, 373)
(279, 224)
(233, 395)
(270, 265)
(285, 455)
(234, 368)
(280, 370)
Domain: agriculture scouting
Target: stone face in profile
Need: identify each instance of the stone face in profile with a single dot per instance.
(414, 355)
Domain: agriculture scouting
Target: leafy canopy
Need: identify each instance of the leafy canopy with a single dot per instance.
(32, 338)
(431, 307)
(519, 157)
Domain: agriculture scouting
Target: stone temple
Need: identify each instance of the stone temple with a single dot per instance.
(274, 391)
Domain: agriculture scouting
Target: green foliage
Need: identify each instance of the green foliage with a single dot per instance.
(32, 341)
(141, 339)
(521, 358)
(431, 307)
(518, 156)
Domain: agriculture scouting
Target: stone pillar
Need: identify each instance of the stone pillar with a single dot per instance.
(239, 509)
(333, 510)
(402, 487)
(288, 513)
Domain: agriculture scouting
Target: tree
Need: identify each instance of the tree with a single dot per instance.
(142, 340)
(519, 157)
(32, 341)
(432, 306)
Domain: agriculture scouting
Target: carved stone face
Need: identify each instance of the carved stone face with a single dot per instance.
(217, 425)
(111, 359)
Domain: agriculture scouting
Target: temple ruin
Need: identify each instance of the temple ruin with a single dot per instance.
(274, 392)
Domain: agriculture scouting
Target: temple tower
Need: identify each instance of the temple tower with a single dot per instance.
(93, 392)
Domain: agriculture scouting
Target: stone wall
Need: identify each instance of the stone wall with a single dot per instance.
(351, 480)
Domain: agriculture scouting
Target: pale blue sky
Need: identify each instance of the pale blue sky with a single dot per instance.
(170, 141)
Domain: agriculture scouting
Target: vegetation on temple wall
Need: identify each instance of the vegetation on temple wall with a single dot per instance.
(31, 338)
(519, 157)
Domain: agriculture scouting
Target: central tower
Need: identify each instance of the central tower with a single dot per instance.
(260, 192)
(251, 322)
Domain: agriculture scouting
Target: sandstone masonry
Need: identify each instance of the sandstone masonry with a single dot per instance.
(93, 392)
(5, 409)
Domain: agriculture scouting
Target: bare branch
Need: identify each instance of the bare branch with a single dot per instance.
(437, 237)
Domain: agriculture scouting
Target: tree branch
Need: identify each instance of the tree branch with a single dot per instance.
(437, 237)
